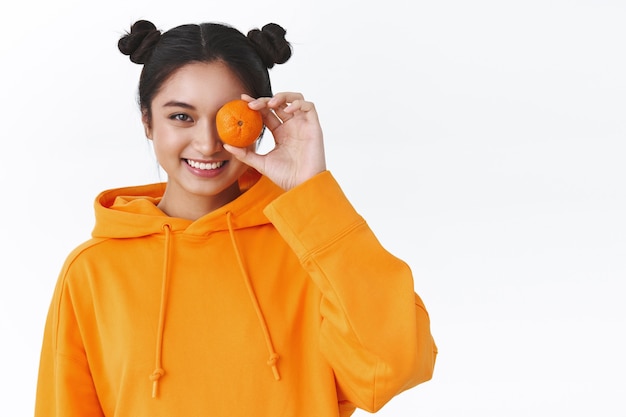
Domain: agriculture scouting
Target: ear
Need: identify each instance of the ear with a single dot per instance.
(147, 125)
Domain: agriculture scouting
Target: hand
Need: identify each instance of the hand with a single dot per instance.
(298, 153)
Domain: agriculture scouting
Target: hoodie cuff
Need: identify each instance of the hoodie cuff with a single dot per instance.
(313, 214)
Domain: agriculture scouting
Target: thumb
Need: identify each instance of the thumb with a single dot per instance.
(246, 156)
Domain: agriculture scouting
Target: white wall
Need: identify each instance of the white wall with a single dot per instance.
(482, 140)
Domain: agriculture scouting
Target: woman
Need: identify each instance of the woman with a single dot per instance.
(247, 285)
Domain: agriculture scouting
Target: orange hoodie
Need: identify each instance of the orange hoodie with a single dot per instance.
(276, 304)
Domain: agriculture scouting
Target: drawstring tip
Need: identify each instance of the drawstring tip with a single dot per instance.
(275, 371)
(272, 362)
(156, 375)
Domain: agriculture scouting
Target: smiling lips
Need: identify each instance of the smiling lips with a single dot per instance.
(205, 165)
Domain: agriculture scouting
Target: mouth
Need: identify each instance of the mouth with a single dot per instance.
(205, 166)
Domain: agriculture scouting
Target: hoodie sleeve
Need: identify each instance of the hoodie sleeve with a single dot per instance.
(375, 330)
(65, 387)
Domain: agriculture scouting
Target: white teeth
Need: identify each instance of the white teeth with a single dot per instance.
(203, 165)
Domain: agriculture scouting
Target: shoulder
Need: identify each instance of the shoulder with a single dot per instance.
(83, 255)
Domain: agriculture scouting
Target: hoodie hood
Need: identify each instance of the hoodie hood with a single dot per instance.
(132, 212)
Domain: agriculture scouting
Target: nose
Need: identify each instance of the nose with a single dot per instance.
(206, 140)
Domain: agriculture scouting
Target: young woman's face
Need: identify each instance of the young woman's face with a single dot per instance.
(200, 172)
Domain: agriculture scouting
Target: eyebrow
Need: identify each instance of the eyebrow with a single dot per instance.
(182, 104)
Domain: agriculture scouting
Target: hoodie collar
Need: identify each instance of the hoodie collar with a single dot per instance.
(132, 211)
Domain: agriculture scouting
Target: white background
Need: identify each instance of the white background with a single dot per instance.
(482, 140)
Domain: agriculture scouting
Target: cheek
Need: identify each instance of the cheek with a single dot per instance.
(166, 144)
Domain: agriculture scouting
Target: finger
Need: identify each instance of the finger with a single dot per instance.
(247, 97)
(246, 156)
(270, 119)
(299, 105)
(284, 98)
(282, 101)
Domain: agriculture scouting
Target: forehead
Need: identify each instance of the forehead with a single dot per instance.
(201, 82)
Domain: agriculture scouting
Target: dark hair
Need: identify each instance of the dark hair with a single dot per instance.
(249, 57)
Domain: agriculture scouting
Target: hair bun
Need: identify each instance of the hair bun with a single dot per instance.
(140, 41)
(271, 44)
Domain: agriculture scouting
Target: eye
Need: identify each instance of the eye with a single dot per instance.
(181, 117)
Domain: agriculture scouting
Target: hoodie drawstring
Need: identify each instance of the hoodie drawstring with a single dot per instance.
(158, 369)
(273, 358)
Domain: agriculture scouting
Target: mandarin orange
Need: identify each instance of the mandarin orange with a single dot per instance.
(237, 124)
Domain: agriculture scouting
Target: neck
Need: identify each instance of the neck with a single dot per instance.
(193, 206)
